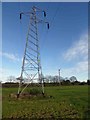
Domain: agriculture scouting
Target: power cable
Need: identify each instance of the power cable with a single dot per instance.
(54, 16)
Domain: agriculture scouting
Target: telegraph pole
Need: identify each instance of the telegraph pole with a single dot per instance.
(31, 66)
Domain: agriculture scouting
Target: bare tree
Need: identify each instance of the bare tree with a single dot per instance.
(11, 78)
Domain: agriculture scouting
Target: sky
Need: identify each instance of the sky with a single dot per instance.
(45, 0)
(64, 45)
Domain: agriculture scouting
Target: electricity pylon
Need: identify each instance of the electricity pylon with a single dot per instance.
(31, 67)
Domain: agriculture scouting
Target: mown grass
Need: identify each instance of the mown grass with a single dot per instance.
(60, 102)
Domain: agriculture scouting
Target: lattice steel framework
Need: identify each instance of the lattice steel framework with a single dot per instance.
(31, 67)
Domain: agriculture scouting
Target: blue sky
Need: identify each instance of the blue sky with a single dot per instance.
(64, 45)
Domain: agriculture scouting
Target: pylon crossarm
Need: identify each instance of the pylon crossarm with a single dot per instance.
(26, 14)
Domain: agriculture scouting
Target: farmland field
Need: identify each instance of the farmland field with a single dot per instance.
(61, 102)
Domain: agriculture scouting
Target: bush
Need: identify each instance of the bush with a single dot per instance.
(34, 91)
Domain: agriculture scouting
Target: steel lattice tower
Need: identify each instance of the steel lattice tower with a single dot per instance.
(31, 67)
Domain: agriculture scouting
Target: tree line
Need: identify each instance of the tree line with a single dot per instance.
(48, 81)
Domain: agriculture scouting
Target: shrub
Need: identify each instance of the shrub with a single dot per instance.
(34, 91)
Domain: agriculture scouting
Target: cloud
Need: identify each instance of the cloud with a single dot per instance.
(79, 49)
(5, 73)
(79, 70)
(10, 56)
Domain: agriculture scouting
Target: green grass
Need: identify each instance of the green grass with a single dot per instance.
(0, 101)
(61, 102)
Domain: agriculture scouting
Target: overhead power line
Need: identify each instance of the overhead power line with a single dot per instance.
(57, 10)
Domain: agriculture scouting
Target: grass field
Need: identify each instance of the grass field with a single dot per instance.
(64, 102)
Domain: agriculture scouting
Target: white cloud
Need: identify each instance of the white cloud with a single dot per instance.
(79, 70)
(5, 73)
(78, 49)
(10, 56)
